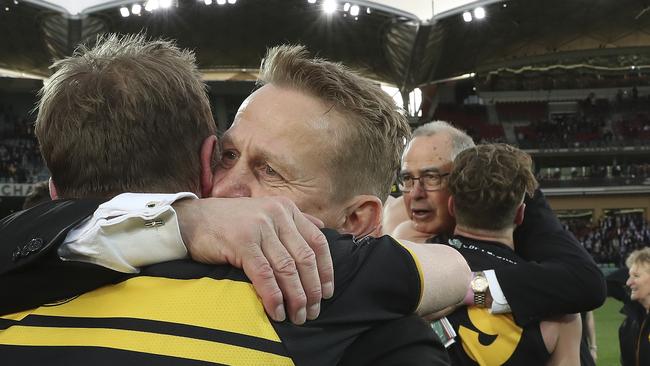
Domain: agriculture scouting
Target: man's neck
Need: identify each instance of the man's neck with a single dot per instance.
(503, 237)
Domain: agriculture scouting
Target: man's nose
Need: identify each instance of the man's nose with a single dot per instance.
(418, 190)
(232, 183)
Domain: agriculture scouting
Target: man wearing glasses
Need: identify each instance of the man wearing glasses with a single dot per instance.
(569, 280)
(427, 160)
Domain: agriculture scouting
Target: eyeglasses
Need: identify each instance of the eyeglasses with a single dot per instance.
(430, 181)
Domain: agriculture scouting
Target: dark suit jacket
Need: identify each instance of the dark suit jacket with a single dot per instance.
(560, 277)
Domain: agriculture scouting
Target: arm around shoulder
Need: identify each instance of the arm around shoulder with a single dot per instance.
(445, 276)
(560, 277)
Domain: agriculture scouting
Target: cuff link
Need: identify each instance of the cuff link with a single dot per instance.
(154, 223)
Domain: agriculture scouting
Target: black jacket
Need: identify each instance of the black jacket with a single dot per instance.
(634, 335)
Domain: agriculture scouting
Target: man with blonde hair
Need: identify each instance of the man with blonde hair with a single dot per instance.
(191, 312)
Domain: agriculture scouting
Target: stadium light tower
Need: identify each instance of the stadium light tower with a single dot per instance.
(354, 10)
(479, 13)
(329, 6)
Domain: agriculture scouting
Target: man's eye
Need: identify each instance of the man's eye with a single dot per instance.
(228, 155)
(228, 158)
(269, 171)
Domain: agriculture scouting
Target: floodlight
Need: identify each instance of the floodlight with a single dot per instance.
(479, 13)
(467, 17)
(207, 2)
(151, 5)
(124, 11)
(311, 1)
(231, 2)
(221, 2)
(165, 4)
(329, 6)
(354, 10)
(368, 11)
(346, 6)
(136, 9)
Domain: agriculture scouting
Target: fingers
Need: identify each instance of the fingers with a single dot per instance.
(318, 244)
(315, 220)
(261, 274)
(287, 277)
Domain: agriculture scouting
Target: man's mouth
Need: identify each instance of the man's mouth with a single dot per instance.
(420, 214)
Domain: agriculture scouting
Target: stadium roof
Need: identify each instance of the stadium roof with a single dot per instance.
(403, 42)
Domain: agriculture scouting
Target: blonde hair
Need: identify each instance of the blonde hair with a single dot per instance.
(368, 149)
(639, 256)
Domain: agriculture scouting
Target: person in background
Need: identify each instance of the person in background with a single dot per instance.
(634, 332)
(569, 281)
(488, 184)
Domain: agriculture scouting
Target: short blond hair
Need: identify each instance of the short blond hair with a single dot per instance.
(639, 257)
(368, 150)
(127, 115)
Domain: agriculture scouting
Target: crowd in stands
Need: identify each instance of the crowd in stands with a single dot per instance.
(20, 158)
(611, 239)
(598, 123)
(560, 80)
(614, 173)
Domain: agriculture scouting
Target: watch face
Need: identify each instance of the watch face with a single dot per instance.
(479, 284)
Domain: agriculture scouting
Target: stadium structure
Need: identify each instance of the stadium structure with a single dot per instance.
(568, 81)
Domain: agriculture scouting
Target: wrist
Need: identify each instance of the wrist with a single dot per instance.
(469, 297)
(479, 287)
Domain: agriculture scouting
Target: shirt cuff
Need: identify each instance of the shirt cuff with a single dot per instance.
(499, 302)
(130, 231)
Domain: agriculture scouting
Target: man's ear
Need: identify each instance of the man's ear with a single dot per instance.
(207, 156)
(363, 216)
(451, 206)
(519, 215)
(53, 193)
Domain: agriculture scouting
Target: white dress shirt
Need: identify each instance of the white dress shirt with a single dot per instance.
(131, 230)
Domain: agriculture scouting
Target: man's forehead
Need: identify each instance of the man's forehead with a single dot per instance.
(428, 152)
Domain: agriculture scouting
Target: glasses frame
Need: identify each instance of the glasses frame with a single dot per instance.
(403, 188)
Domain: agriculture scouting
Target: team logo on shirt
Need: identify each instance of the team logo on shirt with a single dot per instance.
(493, 339)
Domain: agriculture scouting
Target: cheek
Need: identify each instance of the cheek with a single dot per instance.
(407, 201)
(439, 202)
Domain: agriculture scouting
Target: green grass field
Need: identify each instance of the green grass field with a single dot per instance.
(608, 319)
